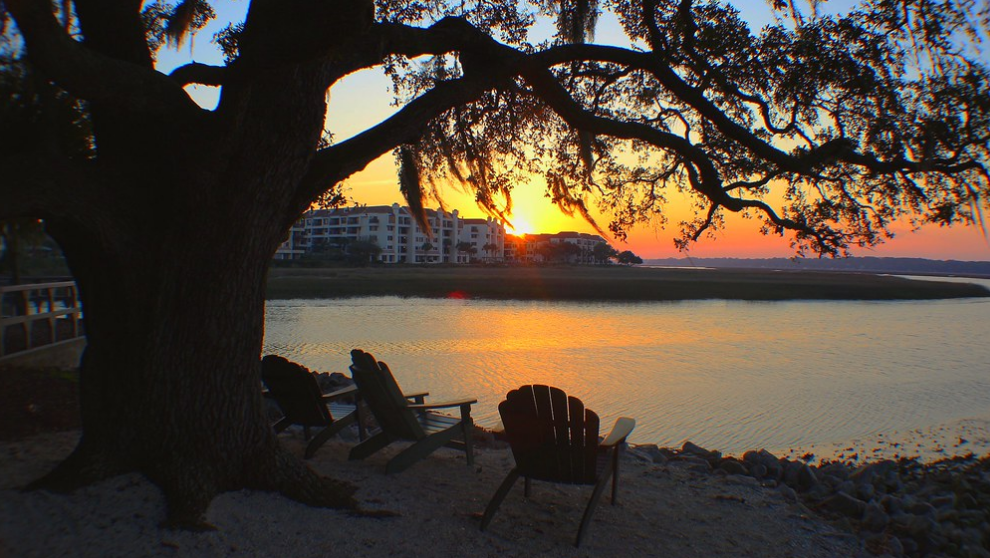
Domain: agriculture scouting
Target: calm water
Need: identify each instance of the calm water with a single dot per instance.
(724, 374)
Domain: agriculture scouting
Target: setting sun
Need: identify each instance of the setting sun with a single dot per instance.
(518, 226)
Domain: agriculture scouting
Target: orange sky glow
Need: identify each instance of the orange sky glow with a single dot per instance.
(364, 98)
(534, 213)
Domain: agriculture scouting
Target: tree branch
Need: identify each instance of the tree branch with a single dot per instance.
(840, 149)
(202, 74)
(706, 224)
(88, 74)
(554, 94)
(114, 28)
(337, 162)
(488, 63)
(828, 240)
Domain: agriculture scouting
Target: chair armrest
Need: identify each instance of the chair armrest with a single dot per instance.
(443, 405)
(623, 427)
(349, 390)
(418, 397)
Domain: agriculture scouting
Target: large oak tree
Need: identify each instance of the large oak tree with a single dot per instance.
(828, 128)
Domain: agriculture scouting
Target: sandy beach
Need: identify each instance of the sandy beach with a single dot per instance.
(672, 509)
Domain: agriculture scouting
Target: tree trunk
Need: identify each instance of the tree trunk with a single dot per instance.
(170, 380)
(183, 213)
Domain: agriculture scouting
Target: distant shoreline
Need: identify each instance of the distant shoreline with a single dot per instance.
(604, 283)
(855, 264)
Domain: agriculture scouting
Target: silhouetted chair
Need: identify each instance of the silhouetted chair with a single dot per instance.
(402, 419)
(554, 438)
(297, 393)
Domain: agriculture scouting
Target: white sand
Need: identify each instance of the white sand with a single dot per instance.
(664, 510)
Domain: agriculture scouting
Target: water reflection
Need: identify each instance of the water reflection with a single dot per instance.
(728, 375)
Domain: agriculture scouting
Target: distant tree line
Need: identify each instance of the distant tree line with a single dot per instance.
(600, 254)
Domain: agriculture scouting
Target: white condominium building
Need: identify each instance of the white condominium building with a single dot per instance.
(393, 229)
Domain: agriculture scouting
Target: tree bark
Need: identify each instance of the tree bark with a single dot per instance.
(170, 380)
(171, 271)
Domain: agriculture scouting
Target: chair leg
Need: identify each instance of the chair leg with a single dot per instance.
(359, 417)
(595, 496)
(418, 450)
(468, 427)
(282, 425)
(528, 487)
(615, 474)
(322, 436)
(500, 495)
(370, 446)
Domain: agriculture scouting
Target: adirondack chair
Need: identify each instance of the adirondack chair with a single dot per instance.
(298, 395)
(554, 438)
(407, 417)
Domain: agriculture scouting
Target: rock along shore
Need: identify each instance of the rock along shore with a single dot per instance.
(901, 507)
(897, 508)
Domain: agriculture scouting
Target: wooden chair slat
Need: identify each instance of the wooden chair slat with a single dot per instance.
(591, 426)
(297, 393)
(541, 395)
(397, 404)
(426, 429)
(433, 422)
(578, 445)
(561, 434)
(555, 438)
(338, 410)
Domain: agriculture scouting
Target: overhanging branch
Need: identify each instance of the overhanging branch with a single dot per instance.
(558, 98)
(807, 163)
(828, 241)
(88, 74)
(337, 162)
(201, 74)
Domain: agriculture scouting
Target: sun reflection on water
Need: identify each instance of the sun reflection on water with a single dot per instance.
(732, 376)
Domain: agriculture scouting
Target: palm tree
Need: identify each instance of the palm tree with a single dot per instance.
(467, 248)
(489, 249)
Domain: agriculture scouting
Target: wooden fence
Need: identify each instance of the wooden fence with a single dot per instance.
(38, 314)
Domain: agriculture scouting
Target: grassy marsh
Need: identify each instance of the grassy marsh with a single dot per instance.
(612, 283)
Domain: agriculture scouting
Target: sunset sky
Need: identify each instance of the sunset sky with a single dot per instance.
(364, 99)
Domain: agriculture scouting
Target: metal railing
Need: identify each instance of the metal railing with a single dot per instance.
(25, 305)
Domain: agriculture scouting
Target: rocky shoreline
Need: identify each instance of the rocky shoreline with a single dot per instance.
(897, 508)
(902, 507)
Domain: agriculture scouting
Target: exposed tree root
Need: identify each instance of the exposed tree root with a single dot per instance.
(297, 481)
(188, 496)
(83, 467)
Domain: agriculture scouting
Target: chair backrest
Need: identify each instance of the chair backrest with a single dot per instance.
(295, 390)
(553, 437)
(383, 395)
